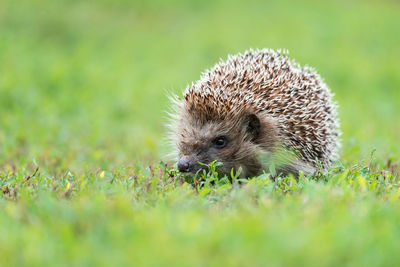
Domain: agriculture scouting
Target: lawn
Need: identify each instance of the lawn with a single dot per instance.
(83, 101)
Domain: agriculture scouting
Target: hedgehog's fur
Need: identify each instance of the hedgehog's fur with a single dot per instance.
(261, 101)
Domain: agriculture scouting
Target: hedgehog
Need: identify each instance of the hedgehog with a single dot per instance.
(256, 110)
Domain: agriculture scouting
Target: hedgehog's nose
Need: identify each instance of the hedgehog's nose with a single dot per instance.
(184, 165)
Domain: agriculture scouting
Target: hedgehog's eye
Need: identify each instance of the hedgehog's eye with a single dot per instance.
(219, 142)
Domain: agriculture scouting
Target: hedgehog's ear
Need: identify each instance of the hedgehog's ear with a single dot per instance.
(252, 125)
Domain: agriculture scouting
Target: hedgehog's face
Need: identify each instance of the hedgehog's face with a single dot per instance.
(233, 142)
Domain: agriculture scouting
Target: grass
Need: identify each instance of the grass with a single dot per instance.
(83, 91)
(153, 217)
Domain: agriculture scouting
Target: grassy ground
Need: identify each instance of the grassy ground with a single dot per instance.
(83, 88)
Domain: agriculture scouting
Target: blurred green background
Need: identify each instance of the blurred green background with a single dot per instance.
(85, 83)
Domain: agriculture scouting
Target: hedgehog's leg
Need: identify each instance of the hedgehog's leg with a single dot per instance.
(295, 167)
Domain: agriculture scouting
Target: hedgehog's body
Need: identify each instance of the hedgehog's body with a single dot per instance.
(255, 102)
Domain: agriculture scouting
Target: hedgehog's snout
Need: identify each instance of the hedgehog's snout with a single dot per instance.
(185, 165)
